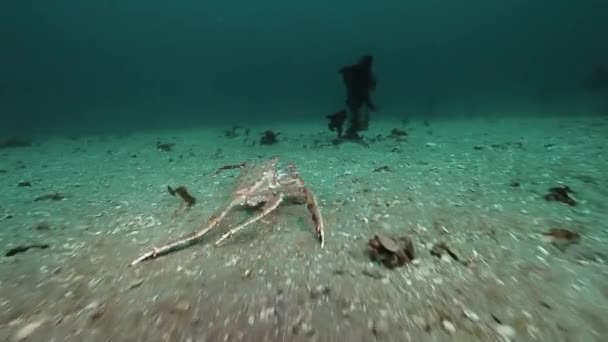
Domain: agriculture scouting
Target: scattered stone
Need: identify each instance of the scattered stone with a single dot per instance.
(398, 133)
(98, 312)
(50, 197)
(561, 194)
(6, 217)
(269, 138)
(561, 238)
(24, 248)
(247, 274)
(383, 168)
(28, 330)
(137, 283)
(182, 306)
(562, 234)
(380, 327)
(419, 320)
(164, 147)
(319, 291)
(372, 273)
(506, 331)
(44, 225)
(14, 143)
(448, 326)
(470, 315)
(440, 249)
(390, 251)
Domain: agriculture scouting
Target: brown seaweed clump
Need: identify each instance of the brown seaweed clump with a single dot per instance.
(561, 194)
(390, 251)
(182, 192)
(269, 138)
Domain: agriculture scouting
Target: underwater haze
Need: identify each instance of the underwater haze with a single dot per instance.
(378, 170)
(90, 65)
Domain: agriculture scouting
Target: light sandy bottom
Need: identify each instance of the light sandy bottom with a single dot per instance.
(449, 181)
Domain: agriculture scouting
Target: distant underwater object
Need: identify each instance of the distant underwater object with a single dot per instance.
(359, 81)
(336, 122)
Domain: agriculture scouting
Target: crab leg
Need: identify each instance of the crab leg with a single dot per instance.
(313, 208)
(179, 244)
(267, 209)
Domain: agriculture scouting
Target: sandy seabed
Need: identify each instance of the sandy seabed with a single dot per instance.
(475, 186)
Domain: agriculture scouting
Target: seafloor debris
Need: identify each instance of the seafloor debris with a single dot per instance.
(164, 147)
(269, 138)
(336, 122)
(392, 252)
(261, 187)
(229, 167)
(383, 168)
(562, 234)
(441, 248)
(24, 248)
(182, 192)
(398, 133)
(24, 184)
(50, 197)
(235, 131)
(561, 194)
(14, 143)
(561, 238)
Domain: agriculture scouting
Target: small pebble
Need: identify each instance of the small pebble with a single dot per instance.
(419, 320)
(319, 291)
(380, 327)
(470, 315)
(28, 330)
(136, 283)
(542, 250)
(182, 306)
(505, 331)
(448, 326)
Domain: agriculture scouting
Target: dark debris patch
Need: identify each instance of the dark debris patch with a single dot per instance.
(561, 194)
(50, 197)
(24, 248)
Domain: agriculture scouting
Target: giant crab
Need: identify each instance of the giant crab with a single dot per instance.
(261, 187)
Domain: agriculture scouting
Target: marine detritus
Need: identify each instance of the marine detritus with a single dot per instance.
(261, 187)
(359, 81)
(269, 138)
(25, 248)
(561, 238)
(391, 251)
(398, 133)
(336, 122)
(229, 167)
(182, 192)
(50, 197)
(164, 147)
(14, 143)
(441, 248)
(561, 194)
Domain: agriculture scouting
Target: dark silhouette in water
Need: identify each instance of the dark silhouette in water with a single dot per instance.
(359, 81)
(336, 122)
